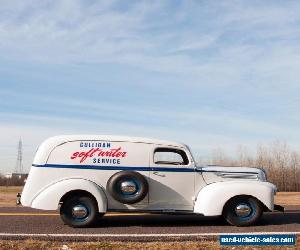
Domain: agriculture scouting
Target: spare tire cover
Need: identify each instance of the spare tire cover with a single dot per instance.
(127, 187)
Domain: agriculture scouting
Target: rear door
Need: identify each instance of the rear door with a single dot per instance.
(172, 177)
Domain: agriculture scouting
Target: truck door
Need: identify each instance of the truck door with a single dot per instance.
(172, 179)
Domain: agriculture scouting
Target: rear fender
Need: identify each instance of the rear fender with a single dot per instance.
(50, 197)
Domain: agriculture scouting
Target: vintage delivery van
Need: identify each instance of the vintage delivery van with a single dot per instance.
(85, 176)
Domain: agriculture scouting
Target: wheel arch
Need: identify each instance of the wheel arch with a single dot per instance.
(76, 192)
(264, 207)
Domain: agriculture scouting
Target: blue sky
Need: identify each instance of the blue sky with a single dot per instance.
(212, 74)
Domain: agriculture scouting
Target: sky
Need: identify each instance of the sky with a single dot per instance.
(211, 74)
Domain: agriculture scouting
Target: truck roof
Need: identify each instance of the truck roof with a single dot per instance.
(48, 145)
(56, 140)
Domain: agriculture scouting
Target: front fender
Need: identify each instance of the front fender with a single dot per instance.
(212, 198)
(49, 198)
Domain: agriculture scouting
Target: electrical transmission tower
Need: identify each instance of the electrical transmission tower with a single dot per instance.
(19, 164)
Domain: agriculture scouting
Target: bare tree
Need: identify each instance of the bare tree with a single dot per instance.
(280, 162)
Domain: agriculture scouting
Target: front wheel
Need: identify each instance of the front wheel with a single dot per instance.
(242, 211)
(79, 211)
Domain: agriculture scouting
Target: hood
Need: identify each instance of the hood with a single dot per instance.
(220, 173)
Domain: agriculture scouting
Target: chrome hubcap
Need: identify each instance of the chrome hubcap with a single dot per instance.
(128, 187)
(79, 212)
(243, 210)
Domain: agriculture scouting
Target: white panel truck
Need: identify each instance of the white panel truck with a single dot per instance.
(85, 176)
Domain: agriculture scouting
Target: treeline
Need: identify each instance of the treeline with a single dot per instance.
(281, 163)
(12, 181)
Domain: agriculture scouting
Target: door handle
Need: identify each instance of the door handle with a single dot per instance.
(158, 174)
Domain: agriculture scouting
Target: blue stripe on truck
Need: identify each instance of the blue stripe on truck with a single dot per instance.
(159, 169)
(162, 169)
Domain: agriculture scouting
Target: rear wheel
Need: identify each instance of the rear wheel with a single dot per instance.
(242, 211)
(79, 211)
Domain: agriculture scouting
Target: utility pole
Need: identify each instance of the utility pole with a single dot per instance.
(19, 164)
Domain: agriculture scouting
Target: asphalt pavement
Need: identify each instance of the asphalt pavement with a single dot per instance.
(20, 223)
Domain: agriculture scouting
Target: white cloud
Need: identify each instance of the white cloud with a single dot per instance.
(232, 33)
(72, 32)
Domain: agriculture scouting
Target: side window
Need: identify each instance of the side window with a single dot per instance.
(170, 156)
